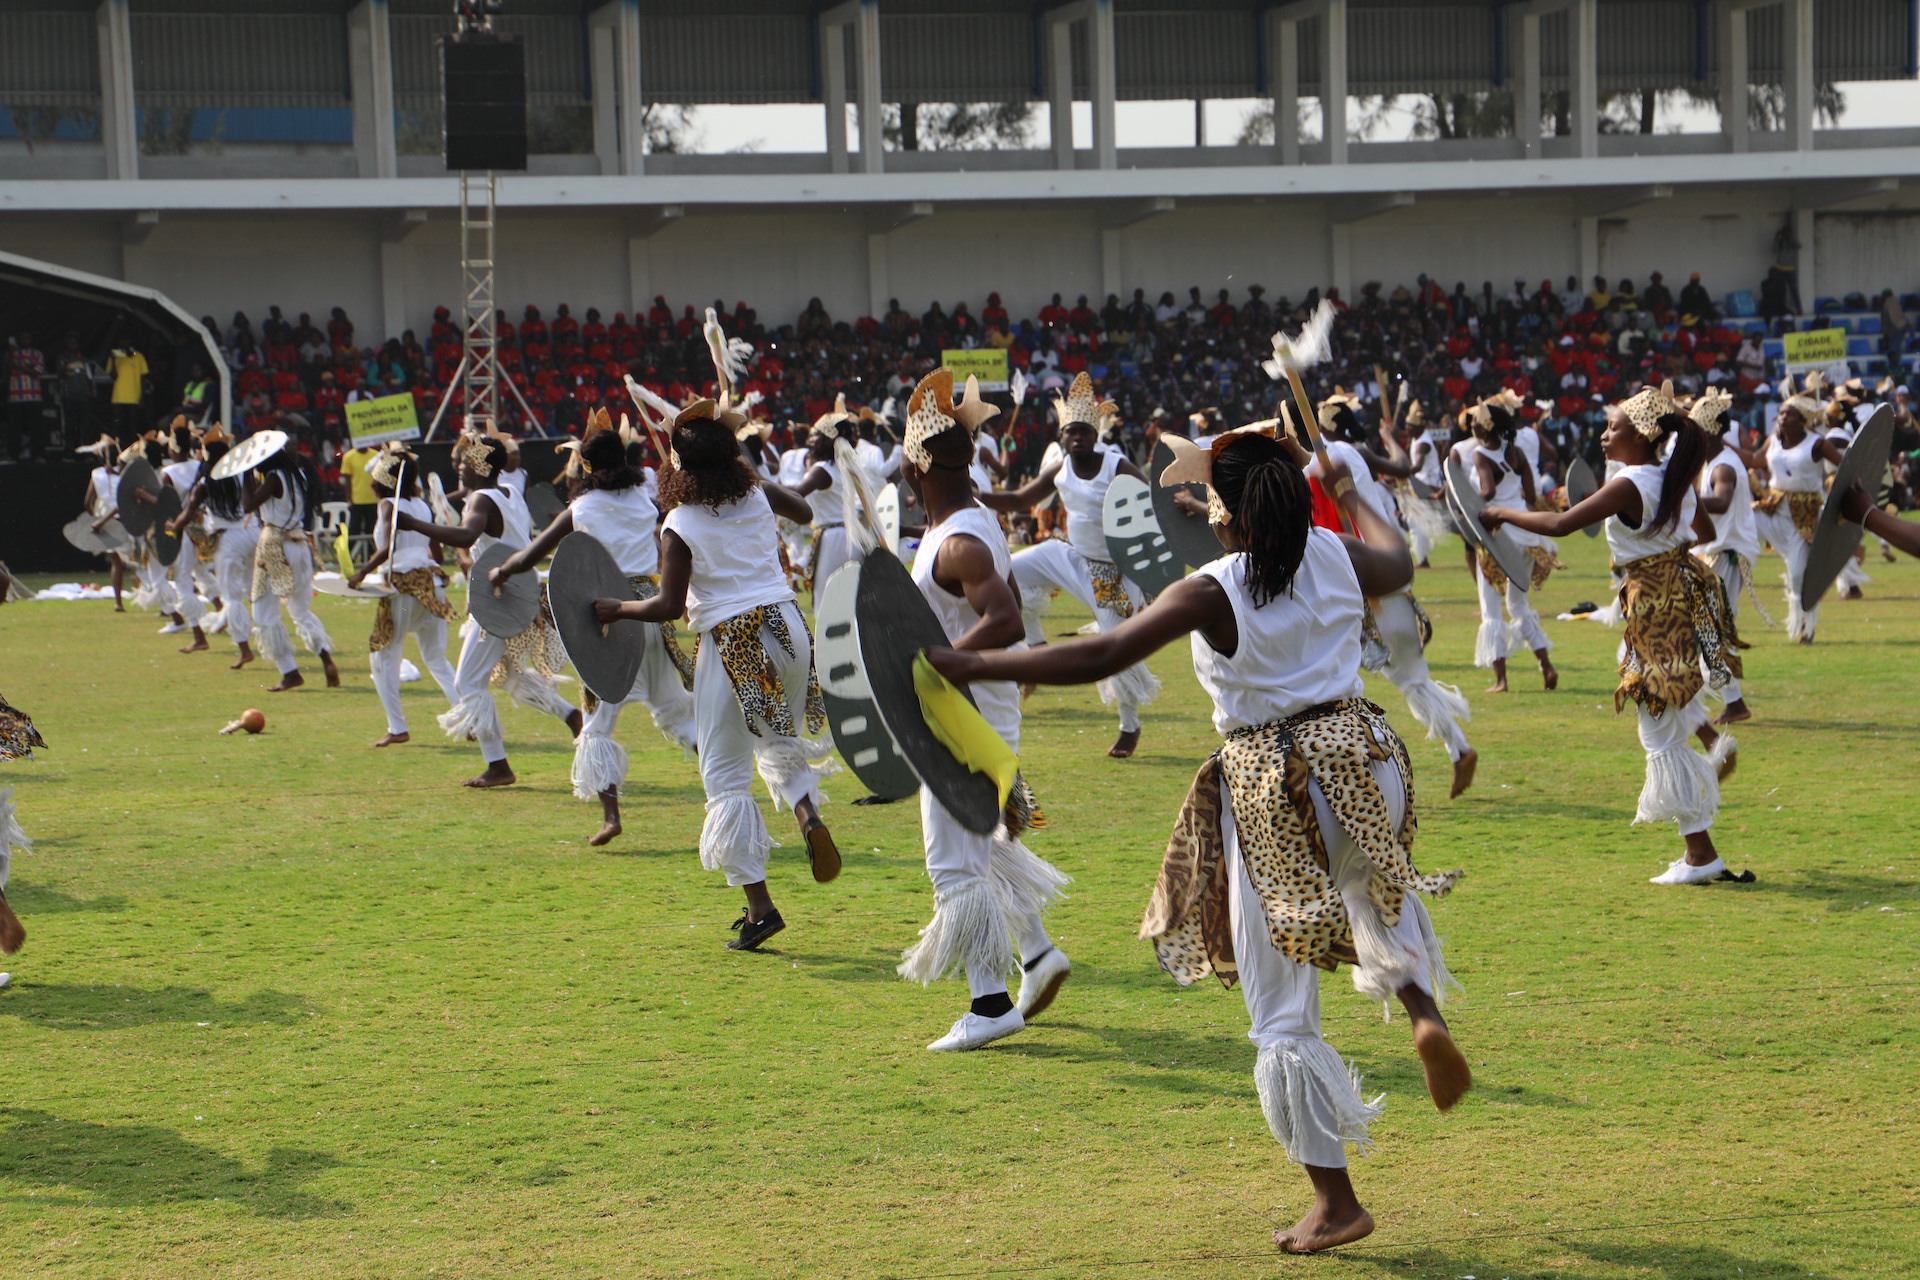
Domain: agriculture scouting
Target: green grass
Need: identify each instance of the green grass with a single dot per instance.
(291, 1007)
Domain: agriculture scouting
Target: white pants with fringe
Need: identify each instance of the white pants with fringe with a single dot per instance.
(233, 569)
(1440, 708)
(411, 618)
(1727, 566)
(185, 591)
(1054, 565)
(1311, 1096)
(1498, 639)
(474, 713)
(734, 838)
(1778, 529)
(1682, 785)
(276, 646)
(599, 761)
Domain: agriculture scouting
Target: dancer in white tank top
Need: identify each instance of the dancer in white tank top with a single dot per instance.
(1275, 628)
(282, 498)
(1788, 511)
(613, 508)
(419, 608)
(1729, 539)
(234, 534)
(989, 891)
(1080, 563)
(837, 486)
(755, 695)
(1504, 477)
(527, 661)
(1678, 634)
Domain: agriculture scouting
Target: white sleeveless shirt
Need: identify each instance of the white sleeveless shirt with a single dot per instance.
(1431, 467)
(1733, 529)
(625, 522)
(1297, 650)
(1795, 469)
(736, 558)
(281, 511)
(516, 525)
(1625, 542)
(827, 511)
(410, 548)
(1086, 504)
(998, 700)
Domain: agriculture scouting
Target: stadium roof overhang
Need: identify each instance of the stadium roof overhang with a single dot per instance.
(31, 289)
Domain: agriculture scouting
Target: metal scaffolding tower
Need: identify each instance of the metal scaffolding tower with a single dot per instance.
(480, 383)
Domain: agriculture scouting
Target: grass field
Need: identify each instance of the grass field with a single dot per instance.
(291, 1007)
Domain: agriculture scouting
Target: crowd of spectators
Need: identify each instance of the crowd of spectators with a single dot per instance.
(1566, 350)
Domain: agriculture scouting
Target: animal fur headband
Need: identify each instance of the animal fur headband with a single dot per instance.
(931, 412)
(1080, 404)
(1647, 406)
(1709, 412)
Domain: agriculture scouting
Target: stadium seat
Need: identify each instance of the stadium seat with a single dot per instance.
(1826, 304)
(1773, 349)
(1866, 322)
(1857, 347)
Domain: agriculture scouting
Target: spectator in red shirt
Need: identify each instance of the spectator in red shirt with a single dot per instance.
(1053, 314)
(994, 315)
(565, 328)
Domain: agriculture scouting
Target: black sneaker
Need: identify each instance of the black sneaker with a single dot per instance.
(752, 934)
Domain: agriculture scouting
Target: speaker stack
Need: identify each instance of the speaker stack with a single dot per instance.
(485, 91)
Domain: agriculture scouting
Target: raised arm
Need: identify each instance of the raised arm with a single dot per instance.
(380, 554)
(1192, 604)
(536, 551)
(1614, 497)
(787, 503)
(816, 479)
(1032, 493)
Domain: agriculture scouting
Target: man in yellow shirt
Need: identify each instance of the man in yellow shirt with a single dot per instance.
(362, 502)
(128, 368)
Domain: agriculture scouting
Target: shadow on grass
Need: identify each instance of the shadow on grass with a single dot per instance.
(128, 1165)
(1658, 1262)
(1840, 891)
(111, 1008)
(36, 900)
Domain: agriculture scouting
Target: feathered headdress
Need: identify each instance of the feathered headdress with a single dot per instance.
(1331, 406)
(828, 425)
(1709, 412)
(384, 470)
(1193, 463)
(598, 420)
(1805, 402)
(1645, 407)
(1416, 414)
(931, 411)
(471, 448)
(1480, 416)
(731, 356)
(1314, 344)
(215, 434)
(1080, 404)
(495, 433)
(137, 451)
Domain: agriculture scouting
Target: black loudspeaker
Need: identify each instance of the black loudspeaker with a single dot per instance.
(485, 95)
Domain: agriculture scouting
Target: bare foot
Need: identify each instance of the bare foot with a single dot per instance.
(1853, 593)
(605, 835)
(497, 775)
(199, 642)
(1324, 1229)
(1123, 745)
(333, 672)
(1807, 639)
(291, 680)
(1735, 712)
(1549, 676)
(1886, 553)
(246, 656)
(1463, 773)
(1448, 1076)
(118, 607)
(1498, 686)
(12, 933)
(394, 739)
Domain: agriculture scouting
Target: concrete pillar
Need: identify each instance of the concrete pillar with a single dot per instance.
(1734, 75)
(1101, 55)
(119, 131)
(879, 283)
(1060, 91)
(370, 86)
(601, 39)
(1286, 90)
(1333, 81)
(626, 84)
(866, 70)
(1526, 86)
(1584, 19)
(1799, 57)
(833, 75)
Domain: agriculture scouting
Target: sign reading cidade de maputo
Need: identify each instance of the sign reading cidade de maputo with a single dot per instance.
(984, 363)
(374, 422)
(1814, 349)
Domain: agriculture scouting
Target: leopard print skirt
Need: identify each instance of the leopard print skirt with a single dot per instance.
(1267, 771)
(206, 543)
(1675, 615)
(18, 737)
(1802, 508)
(418, 583)
(272, 573)
(756, 679)
(646, 587)
(1109, 587)
(1545, 561)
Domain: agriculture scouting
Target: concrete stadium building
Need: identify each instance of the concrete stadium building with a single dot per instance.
(320, 184)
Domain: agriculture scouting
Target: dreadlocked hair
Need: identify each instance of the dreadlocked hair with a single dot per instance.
(605, 455)
(712, 471)
(1268, 495)
(1691, 448)
(298, 478)
(223, 496)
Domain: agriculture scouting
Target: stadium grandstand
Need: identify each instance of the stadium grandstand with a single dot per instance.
(233, 156)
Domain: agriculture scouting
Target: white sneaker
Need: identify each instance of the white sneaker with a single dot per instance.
(1040, 984)
(974, 1031)
(1681, 873)
(173, 628)
(5, 978)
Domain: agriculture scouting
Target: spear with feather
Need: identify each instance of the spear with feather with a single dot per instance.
(1290, 356)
